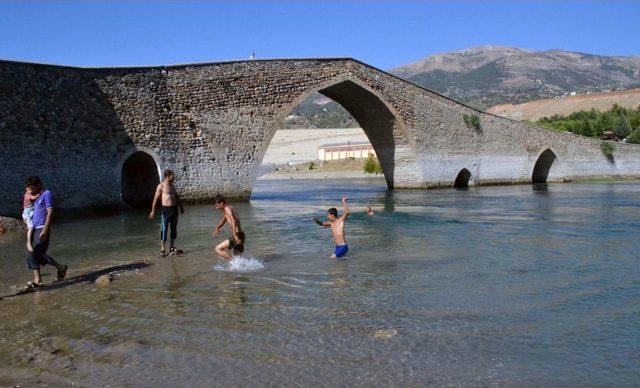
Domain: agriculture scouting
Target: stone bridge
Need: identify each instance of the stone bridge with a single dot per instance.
(98, 136)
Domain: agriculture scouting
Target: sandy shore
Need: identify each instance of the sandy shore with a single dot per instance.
(292, 146)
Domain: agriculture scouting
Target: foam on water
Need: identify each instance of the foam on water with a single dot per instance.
(240, 264)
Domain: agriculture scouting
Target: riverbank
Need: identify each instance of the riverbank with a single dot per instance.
(335, 169)
(13, 228)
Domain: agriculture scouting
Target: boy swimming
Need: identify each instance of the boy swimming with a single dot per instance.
(237, 239)
(337, 228)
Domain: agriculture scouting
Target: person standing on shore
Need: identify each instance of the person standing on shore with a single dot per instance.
(237, 238)
(337, 228)
(42, 217)
(170, 206)
(2, 229)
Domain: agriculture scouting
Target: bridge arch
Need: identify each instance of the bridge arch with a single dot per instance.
(547, 167)
(138, 175)
(380, 122)
(462, 180)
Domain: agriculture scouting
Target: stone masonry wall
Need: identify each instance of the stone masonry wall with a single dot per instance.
(212, 124)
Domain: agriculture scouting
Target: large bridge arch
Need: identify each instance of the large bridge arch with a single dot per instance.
(382, 125)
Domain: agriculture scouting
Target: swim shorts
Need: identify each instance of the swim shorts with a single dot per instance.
(169, 219)
(341, 250)
(237, 245)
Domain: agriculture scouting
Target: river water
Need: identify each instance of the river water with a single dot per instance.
(512, 285)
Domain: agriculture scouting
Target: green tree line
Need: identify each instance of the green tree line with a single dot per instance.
(624, 122)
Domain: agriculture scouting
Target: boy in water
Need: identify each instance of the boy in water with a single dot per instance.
(237, 239)
(337, 228)
(42, 216)
(369, 211)
(170, 205)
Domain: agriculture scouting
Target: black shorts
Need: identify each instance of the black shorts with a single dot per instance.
(39, 255)
(169, 220)
(237, 246)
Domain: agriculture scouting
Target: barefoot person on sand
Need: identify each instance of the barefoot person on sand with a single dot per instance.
(337, 228)
(237, 238)
(42, 216)
(170, 205)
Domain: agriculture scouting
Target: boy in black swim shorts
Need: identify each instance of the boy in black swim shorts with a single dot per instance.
(237, 239)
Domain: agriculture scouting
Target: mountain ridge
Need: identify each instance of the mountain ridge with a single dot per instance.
(485, 76)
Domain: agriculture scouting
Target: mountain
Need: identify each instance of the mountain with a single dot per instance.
(488, 75)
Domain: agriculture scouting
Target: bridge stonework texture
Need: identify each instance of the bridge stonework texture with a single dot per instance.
(84, 131)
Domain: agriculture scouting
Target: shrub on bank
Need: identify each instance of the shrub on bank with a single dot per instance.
(372, 165)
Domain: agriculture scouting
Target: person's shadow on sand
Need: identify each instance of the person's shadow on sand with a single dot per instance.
(83, 278)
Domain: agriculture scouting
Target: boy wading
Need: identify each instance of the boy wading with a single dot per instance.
(337, 228)
(42, 216)
(237, 238)
(170, 206)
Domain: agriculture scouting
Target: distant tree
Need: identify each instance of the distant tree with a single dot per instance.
(372, 165)
(623, 127)
(634, 137)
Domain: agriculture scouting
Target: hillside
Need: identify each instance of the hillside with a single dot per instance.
(489, 75)
(537, 109)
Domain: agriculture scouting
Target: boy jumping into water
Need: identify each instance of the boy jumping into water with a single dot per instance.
(237, 239)
(170, 205)
(337, 228)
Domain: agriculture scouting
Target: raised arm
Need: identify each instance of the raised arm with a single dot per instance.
(156, 197)
(325, 224)
(345, 213)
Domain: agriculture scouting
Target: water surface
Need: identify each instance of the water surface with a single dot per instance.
(514, 285)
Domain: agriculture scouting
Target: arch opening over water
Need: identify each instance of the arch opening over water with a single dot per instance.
(462, 180)
(547, 162)
(140, 177)
(380, 126)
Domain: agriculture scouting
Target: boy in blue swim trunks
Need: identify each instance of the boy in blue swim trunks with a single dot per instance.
(337, 228)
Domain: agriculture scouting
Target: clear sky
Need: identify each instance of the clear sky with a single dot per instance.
(382, 33)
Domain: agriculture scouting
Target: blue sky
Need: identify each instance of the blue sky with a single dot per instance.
(382, 33)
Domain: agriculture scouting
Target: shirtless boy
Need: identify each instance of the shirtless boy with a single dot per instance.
(337, 228)
(237, 239)
(170, 205)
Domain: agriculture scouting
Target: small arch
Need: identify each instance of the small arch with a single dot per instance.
(462, 180)
(139, 178)
(546, 161)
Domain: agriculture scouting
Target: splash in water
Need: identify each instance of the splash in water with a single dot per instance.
(240, 264)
